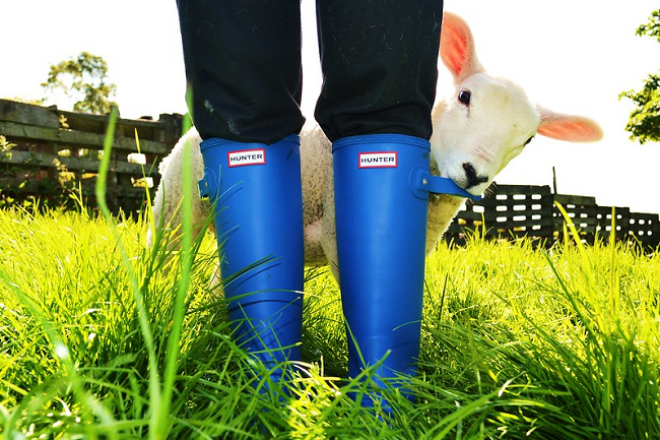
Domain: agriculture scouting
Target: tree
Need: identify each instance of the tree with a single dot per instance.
(82, 79)
(644, 121)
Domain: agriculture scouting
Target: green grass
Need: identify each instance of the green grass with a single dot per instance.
(101, 338)
(104, 338)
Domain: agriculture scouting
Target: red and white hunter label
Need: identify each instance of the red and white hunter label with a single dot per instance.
(246, 157)
(385, 159)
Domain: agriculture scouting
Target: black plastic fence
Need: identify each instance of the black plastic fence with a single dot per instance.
(512, 211)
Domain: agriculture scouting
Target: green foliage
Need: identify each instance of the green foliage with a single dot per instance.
(82, 79)
(516, 343)
(644, 121)
(652, 28)
(5, 146)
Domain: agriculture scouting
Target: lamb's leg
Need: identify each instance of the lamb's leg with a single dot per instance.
(313, 238)
(166, 210)
(329, 233)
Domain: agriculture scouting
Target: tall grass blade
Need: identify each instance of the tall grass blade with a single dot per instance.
(157, 430)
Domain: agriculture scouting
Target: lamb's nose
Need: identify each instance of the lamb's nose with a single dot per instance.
(472, 177)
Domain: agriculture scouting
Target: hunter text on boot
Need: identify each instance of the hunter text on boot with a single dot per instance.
(246, 157)
(386, 159)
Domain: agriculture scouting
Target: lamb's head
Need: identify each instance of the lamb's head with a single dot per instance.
(489, 120)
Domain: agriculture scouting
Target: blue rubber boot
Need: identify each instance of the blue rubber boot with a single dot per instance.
(381, 216)
(257, 196)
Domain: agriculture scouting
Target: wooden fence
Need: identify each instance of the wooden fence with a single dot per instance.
(49, 152)
(512, 211)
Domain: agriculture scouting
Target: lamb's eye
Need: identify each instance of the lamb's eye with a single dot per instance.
(528, 141)
(464, 97)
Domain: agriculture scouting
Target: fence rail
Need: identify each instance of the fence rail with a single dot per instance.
(53, 151)
(512, 211)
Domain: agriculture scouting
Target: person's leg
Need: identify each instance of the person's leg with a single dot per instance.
(258, 221)
(380, 71)
(379, 63)
(243, 64)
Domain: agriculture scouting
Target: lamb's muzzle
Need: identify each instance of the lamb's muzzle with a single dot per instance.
(472, 178)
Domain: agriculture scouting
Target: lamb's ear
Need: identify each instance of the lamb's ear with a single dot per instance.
(457, 48)
(568, 127)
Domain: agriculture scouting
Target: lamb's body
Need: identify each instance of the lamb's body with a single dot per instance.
(475, 137)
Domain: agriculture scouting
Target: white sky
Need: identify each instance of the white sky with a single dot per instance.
(573, 56)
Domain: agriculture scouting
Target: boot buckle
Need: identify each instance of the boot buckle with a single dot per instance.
(422, 182)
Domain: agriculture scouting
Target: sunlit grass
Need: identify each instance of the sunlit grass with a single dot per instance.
(516, 343)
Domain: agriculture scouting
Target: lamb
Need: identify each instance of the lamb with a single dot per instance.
(486, 124)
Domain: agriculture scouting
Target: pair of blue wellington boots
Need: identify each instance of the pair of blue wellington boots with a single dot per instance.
(381, 202)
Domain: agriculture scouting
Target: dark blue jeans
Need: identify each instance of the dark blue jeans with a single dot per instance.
(243, 62)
